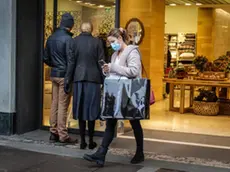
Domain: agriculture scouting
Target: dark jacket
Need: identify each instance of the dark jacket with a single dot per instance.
(169, 58)
(83, 61)
(56, 50)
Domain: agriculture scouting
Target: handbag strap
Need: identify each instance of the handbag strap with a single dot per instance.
(142, 65)
(143, 68)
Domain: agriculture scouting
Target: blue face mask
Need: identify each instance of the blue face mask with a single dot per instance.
(115, 46)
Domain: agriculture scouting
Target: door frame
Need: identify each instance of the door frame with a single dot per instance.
(55, 11)
(29, 65)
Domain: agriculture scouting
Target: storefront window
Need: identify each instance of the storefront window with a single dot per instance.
(102, 15)
(201, 32)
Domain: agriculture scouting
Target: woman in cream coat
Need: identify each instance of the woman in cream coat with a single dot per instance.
(125, 62)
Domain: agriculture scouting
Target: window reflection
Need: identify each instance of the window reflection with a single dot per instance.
(102, 15)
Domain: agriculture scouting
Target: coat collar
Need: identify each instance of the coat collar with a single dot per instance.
(85, 34)
(66, 31)
(124, 55)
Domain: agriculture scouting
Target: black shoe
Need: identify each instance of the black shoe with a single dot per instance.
(138, 158)
(83, 145)
(69, 141)
(92, 145)
(53, 138)
(98, 157)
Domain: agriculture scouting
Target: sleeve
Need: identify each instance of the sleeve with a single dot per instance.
(100, 55)
(46, 56)
(133, 68)
(101, 51)
(71, 61)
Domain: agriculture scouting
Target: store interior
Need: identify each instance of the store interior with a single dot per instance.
(102, 15)
(190, 30)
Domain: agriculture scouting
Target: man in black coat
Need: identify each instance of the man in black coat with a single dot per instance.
(86, 74)
(55, 56)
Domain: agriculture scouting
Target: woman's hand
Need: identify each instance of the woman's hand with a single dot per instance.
(106, 68)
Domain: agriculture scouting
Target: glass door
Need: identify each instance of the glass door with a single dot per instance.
(101, 13)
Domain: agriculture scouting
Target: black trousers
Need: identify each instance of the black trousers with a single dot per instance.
(110, 131)
(167, 88)
(91, 129)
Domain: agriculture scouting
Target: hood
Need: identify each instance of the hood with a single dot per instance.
(129, 49)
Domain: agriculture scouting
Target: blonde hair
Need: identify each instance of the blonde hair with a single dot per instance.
(87, 27)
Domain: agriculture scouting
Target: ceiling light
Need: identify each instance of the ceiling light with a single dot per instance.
(101, 6)
(198, 4)
(187, 4)
(78, 1)
(91, 4)
(172, 4)
(87, 3)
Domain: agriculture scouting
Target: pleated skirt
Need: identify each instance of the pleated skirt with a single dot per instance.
(86, 101)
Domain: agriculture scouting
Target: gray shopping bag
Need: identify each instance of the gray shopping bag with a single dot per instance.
(126, 99)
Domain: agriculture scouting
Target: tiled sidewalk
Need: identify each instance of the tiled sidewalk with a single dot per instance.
(14, 160)
(50, 156)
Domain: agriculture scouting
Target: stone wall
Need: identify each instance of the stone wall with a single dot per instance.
(152, 14)
(7, 63)
(221, 32)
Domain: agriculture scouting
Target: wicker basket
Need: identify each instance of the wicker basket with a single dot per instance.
(206, 108)
(224, 107)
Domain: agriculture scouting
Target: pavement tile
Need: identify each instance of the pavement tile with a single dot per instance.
(148, 169)
(10, 158)
(38, 142)
(14, 160)
(168, 170)
(63, 166)
(119, 167)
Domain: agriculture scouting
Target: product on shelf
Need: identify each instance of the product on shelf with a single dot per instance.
(187, 47)
(172, 46)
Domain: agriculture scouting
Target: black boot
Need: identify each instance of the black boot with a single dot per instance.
(53, 138)
(138, 133)
(138, 157)
(92, 145)
(83, 145)
(98, 156)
